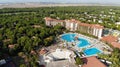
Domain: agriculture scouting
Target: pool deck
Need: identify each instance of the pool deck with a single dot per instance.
(64, 45)
(94, 43)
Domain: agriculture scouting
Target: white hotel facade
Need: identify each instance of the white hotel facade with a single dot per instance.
(75, 25)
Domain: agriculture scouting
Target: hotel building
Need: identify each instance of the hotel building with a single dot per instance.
(52, 22)
(75, 25)
(93, 29)
(71, 24)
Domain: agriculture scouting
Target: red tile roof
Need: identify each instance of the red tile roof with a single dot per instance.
(48, 18)
(42, 51)
(109, 39)
(112, 40)
(73, 20)
(92, 25)
(115, 44)
(93, 62)
(97, 26)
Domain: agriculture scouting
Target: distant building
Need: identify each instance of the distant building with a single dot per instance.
(74, 25)
(52, 22)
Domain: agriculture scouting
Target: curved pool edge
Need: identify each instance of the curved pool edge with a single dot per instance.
(85, 41)
(100, 52)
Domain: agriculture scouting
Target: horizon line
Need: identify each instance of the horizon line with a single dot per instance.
(60, 3)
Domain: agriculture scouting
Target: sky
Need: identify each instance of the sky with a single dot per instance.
(62, 1)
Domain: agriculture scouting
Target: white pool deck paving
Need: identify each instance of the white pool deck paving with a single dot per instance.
(94, 43)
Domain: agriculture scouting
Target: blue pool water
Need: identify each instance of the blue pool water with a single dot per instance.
(91, 51)
(70, 37)
(82, 42)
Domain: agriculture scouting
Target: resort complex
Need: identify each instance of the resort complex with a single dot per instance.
(71, 46)
(55, 36)
(113, 37)
(74, 25)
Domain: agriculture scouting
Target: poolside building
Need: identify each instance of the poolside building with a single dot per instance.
(74, 25)
(93, 29)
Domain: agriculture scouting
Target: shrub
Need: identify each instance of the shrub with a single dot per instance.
(78, 61)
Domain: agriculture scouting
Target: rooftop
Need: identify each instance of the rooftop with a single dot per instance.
(109, 38)
(51, 19)
(96, 26)
(75, 21)
(11, 46)
(115, 44)
(43, 51)
(93, 62)
(112, 40)
(92, 25)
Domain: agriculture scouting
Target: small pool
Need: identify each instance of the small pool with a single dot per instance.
(82, 42)
(69, 37)
(91, 51)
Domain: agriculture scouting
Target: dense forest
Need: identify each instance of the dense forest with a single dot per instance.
(25, 29)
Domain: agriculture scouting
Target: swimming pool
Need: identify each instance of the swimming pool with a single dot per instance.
(91, 51)
(82, 42)
(70, 37)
